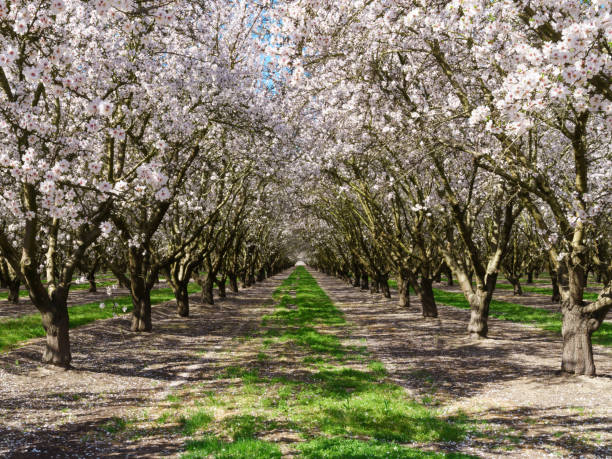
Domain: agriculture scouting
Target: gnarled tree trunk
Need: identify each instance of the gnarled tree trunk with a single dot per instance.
(56, 323)
(578, 322)
(403, 286)
(221, 285)
(141, 301)
(577, 349)
(233, 282)
(365, 285)
(181, 294)
(480, 301)
(13, 290)
(426, 295)
(207, 290)
(516, 285)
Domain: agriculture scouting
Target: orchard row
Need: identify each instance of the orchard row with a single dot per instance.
(468, 136)
(137, 137)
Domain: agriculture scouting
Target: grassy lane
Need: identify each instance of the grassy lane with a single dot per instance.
(299, 386)
(16, 331)
(541, 318)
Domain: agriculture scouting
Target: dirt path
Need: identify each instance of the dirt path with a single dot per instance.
(47, 412)
(509, 382)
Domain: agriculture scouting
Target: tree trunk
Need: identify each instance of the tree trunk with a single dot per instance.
(556, 295)
(233, 282)
(356, 278)
(57, 324)
(384, 287)
(221, 285)
(449, 278)
(480, 301)
(403, 290)
(141, 300)
(577, 349)
(365, 285)
(578, 326)
(181, 294)
(516, 285)
(207, 290)
(428, 301)
(529, 277)
(13, 293)
(91, 277)
(251, 279)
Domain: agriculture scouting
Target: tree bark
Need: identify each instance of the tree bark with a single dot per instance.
(403, 290)
(449, 278)
(556, 294)
(251, 279)
(207, 290)
(384, 287)
(365, 285)
(426, 295)
(516, 285)
(221, 285)
(578, 323)
(530, 277)
(56, 322)
(181, 294)
(233, 282)
(577, 348)
(141, 300)
(13, 290)
(480, 301)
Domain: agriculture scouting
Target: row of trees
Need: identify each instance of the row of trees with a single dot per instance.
(469, 136)
(136, 136)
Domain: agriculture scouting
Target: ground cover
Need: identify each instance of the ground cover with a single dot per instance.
(14, 331)
(300, 387)
(513, 312)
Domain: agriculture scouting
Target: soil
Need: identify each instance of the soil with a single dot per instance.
(508, 384)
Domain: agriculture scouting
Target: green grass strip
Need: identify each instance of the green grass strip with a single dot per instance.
(339, 410)
(24, 293)
(591, 296)
(513, 312)
(15, 331)
(541, 318)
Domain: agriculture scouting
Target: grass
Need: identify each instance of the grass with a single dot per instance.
(513, 312)
(310, 384)
(16, 331)
(24, 293)
(343, 448)
(591, 296)
(248, 448)
(541, 318)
